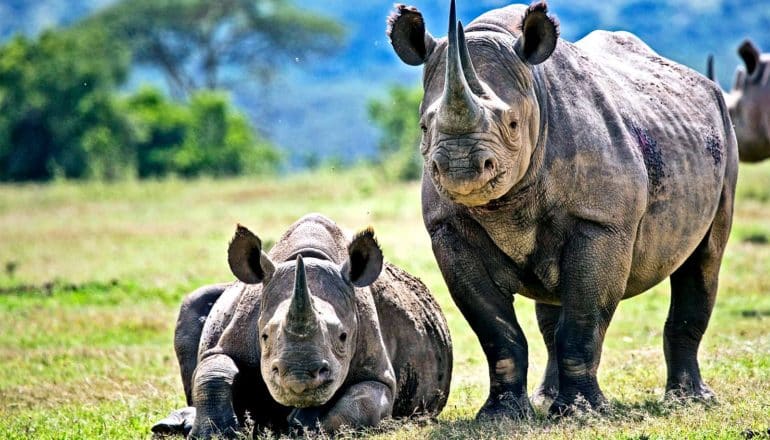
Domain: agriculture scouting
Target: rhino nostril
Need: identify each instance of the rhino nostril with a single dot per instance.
(435, 168)
(489, 165)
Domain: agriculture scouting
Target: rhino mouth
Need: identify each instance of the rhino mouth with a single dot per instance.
(306, 399)
(475, 195)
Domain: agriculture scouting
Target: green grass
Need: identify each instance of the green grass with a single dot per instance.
(91, 276)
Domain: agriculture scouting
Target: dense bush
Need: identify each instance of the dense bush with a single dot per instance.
(398, 120)
(57, 116)
(60, 117)
(205, 137)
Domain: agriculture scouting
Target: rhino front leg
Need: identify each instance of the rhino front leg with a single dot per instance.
(467, 266)
(361, 405)
(595, 269)
(212, 396)
(547, 318)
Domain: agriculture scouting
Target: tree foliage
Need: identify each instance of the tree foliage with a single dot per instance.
(57, 116)
(61, 116)
(398, 120)
(206, 137)
(205, 44)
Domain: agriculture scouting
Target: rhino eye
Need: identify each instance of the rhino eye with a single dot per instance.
(264, 337)
(513, 124)
(424, 128)
(343, 336)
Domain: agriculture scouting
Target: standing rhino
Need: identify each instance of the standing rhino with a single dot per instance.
(298, 341)
(749, 103)
(576, 175)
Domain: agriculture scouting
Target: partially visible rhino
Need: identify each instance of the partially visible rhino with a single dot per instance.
(299, 341)
(749, 103)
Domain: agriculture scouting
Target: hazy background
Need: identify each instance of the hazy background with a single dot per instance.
(314, 107)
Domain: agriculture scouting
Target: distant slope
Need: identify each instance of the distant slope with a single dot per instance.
(318, 108)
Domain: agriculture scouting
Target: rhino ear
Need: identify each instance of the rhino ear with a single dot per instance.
(364, 259)
(539, 34)
(406, 31)
(750, 55)
(247, 261)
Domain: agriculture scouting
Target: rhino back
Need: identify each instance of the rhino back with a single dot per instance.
(630, 130)
(417, 339)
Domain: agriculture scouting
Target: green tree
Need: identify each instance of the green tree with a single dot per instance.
(397, 117)
(192, 41)
(205, 137)
(57, 115)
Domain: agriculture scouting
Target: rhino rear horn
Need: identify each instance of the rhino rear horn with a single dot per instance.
(465, 60)
(459, 109)
(247, 261)
(364, 262)
(301, 319)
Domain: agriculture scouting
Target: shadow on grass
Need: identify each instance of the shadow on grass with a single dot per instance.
(618, 412)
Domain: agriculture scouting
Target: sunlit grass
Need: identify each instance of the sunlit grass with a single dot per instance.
(91, 276)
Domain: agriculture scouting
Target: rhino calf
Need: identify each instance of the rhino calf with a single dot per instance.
(298, 341)
(749, 103)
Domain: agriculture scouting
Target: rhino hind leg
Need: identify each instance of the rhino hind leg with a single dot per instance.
(693, 293)
(548, 390)
(192, 316)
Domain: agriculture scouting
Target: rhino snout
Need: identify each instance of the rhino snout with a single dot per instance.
(302, 378)
(465, 174)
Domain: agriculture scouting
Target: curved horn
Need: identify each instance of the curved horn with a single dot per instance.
(300, 319)
(465, 60)
(459, 109)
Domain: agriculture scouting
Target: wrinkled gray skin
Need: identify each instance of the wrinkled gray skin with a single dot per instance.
(576, 175)
(749, 103)
(298, 342)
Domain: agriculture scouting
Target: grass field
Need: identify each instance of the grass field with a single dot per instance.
(91, 276)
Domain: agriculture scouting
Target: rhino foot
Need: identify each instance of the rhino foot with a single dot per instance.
(179, 422)
(305, 419)
(563, 406)
(506, 405)
(699, 392)
(544, 396)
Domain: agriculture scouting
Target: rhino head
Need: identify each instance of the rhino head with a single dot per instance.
(480, 115)
(749, 102)
(308, 317)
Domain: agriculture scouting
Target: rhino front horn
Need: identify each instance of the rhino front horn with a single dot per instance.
(300, 319)
(459, 110)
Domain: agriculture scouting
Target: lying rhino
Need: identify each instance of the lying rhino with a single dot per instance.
(749, 103)
(299, 341)
(576, 175)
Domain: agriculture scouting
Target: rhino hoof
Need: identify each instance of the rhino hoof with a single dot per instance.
(506, 406)
(305, 419)
(179, 422)
(544, 397)
(562, 407)
(698, 393)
